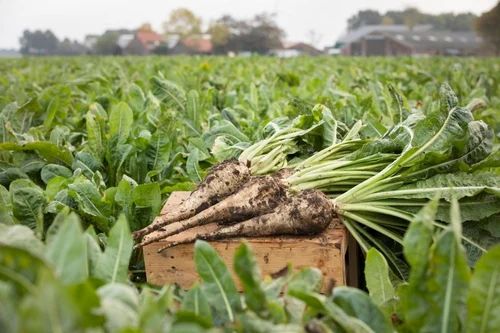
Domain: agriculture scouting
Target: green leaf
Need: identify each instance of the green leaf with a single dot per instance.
(196, 302)
(416, 245)
(22, 237)
(251, 323)
(94, 121)
(136, 97)
(358, 304)
(90, 202)
(153, 306)
(483, 302)
(9, 318)
(67, 251)
(28, 203)
(6, 215)
(147, 195)
(328, 308)
(449, 99)
(124, 194)
(158, 151)
(93, 250)
(438, 281)
(193, 108)
(169, 93)
(218, 286)
(50, 171)
(47, 150)
(453, 185)
(192, 166)
(119, 304)
(52, 108)
(53, 307)
(112, 265)
(305, 280)
(377, 277)
(20, 268)
(245, 267)
(121, 119)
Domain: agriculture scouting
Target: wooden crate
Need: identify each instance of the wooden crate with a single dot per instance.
(326, 252)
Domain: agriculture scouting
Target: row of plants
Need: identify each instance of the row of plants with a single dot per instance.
(67, 284)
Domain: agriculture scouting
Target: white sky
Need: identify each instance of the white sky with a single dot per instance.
(76, 18)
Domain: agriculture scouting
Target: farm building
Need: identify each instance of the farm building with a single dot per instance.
(139, 43)
(295, 49)
(193, 45)
(399, 40)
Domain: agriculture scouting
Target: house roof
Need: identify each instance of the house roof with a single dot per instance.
(368, 29)
(147, 37)
(198, 44)
(436, 39)
(303, 47)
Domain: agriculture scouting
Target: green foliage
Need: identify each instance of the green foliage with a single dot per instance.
(112, 265)
(99, 144)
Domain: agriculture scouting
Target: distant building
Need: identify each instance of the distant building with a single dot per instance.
(90, 41)
(193, 45)
(399, 40)
(9, 53)
(295, 49)
(149, 40)
(124, 40)
(139, 42)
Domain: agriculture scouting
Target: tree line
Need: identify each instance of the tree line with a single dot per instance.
(412, 17)
(260, 33)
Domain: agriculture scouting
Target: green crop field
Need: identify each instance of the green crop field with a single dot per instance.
(404, 150)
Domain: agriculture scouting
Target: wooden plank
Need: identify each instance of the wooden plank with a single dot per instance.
(273, 254)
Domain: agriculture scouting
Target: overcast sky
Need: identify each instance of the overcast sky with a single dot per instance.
(76, 18)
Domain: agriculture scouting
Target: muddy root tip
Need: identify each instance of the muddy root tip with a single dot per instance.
(137, 246)
(137, 234)
(162, 249)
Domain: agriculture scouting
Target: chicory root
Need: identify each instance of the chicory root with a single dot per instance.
(223, 180)
(259, 196)
(307, 213)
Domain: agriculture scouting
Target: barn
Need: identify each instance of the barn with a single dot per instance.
(400, 40)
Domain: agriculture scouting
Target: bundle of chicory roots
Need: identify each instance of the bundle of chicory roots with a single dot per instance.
(375, 184)
(244, 206)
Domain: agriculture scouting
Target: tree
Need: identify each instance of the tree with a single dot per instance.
(68, 47)
(145, 27)
(260, 34)
(107, 43)
(264, 34)
(364, 17)
(412, 17)
(182, 22)
(219, 33)
(38, 42)
(488, 27)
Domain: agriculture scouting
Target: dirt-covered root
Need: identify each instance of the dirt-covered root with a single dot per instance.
(308, 213)
(259, 196)
(222, 180)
